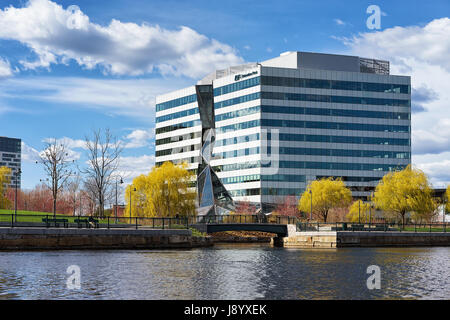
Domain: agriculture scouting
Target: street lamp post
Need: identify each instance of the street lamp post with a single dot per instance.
(15, 197)
(115, 211)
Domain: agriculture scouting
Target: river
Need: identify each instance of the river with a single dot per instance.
(228, 272)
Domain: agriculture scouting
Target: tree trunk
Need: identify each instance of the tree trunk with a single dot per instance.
(54, 207)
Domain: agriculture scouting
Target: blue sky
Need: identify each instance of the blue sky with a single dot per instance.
(61, 82)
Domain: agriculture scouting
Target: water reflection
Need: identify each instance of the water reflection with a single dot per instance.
(228, 272)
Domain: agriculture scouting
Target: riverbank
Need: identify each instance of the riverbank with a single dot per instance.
(93, 239)
(241, 237)
(340, 239)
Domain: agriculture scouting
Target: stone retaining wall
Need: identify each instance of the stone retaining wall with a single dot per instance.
(58, 238)
(336, 239)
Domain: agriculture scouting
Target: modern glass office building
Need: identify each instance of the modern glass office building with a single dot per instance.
(10, 156)
(286, 121)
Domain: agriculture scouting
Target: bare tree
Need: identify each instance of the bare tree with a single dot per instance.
(104, 152)
(74, 190)
(56, 162)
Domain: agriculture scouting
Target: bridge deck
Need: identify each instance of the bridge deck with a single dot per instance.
(279, 229)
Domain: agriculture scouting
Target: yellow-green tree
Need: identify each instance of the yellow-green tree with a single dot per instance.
(326, 194)
(5, 179)
(359, 211)
(447, 197)
(164, 192)
(404, 191)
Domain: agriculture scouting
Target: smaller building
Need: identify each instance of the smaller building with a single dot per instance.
(10, 156)
(120, 210)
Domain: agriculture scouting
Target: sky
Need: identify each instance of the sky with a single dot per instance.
(70, 67)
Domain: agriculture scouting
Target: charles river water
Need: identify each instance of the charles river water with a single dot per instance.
(228, 272)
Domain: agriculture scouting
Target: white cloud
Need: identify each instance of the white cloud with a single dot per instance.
(133, 97)
(422, 53)
(131, 167)
(119, 48)
(139, 138)
(68, 142)
(29, 154)
(5, 68)
(339, 22)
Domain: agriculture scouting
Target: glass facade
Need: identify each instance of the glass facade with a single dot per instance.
(352, 125)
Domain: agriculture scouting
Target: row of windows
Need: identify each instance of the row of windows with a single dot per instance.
(241, 85)
(177, 150)
(239, 126)
(237, 113)
(337, 112)
(244, 192)
(313, 125)
(316, 138)
(187, 136)
(353, 179)
(333, 125)
(184, 125)
(284, 178)
(241, 99)
(338, 166)
(318, 152)
(241, 179)
(312, 165)
(237, 153)
(344, 153)
(236, 140)
(334, 84)
(334, 99)
(314, 111)
(177, 115)
(176, 102)
(282, 191)
(340, 139)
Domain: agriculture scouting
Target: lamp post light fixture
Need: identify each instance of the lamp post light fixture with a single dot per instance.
(15, 197)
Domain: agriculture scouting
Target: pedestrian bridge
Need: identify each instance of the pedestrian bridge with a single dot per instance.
(280, 230)
(278, 225)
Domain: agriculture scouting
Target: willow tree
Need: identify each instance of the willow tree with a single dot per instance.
(447, 197)
(359, 210)
(164, 192)
(404, 191)
(326, 194)
(5, 180)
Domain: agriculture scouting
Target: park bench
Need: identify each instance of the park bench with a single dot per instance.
(55, 222)
(87, 222)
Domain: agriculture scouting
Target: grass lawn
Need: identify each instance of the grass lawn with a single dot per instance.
(36, 216)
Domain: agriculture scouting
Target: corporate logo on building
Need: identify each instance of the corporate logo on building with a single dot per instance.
(242, 76)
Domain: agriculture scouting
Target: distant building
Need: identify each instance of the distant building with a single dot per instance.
(333, 115)
(120, 210)
(10, 156)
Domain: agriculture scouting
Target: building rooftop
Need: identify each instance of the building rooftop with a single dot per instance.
(309, 60)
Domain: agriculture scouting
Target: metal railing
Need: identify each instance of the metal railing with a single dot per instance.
(385, 226)
(64, 221)
(243, 219)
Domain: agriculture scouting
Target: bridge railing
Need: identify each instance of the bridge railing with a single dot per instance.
(385, 226)
(244, 218)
